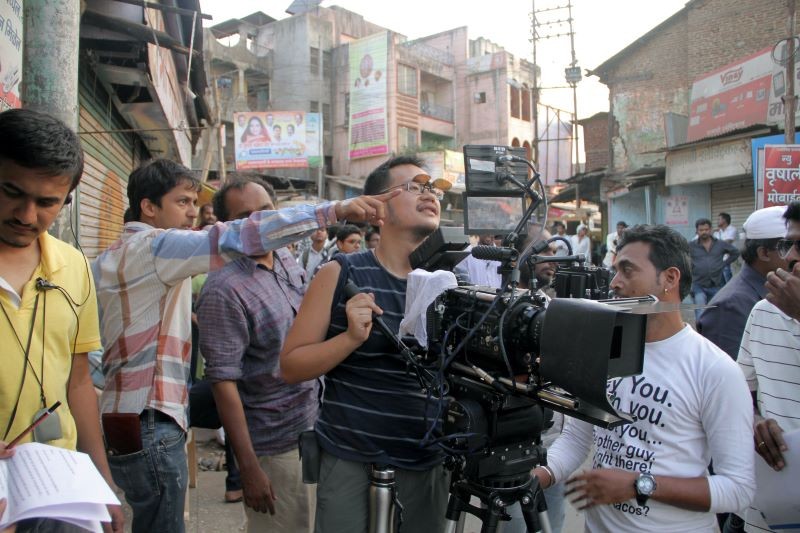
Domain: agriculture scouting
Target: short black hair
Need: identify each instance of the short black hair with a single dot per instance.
(701, 222)
(751, 246)
(345, 231)
(153, 180)
(622, 223)
(792, 213)
(378, 180)
(372, 230)
(39, 141)
(238, 181)
(558, 224)
(204, 206)
(668, 248)
(726, 216)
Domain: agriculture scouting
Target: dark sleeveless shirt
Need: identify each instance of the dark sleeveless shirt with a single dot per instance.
(372, 411)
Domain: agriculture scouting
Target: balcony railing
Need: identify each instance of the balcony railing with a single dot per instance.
(437, 111)
(429, 52)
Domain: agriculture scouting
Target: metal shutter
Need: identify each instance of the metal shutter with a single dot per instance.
(735, 197)
(109, 159)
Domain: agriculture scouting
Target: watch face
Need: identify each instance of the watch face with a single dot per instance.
(645, 484)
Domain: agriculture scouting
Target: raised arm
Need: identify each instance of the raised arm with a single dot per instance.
(180, 254)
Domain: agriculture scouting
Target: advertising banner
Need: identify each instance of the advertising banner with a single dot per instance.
(732, 97)
(10, 53)
(781, 174)
(277, 139)
(368, 126)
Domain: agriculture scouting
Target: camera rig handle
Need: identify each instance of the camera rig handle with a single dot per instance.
(350, 290)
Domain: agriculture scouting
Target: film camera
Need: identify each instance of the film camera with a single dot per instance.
(498, 362)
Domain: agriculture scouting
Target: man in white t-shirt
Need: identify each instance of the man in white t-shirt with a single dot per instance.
(770, 358)
(480, 271)
(689, 404)
(726, 232)
(561, 231)
(611, 244)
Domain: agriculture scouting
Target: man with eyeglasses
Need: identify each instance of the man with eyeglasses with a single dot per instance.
(373, 412)
(723, 323)
(770, 358)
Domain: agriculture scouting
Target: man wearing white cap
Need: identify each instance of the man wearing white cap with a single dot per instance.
(723, 324)
(582, 243)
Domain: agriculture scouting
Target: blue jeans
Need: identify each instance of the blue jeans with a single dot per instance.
(701, 296)
(203, 414)
(727, 273)
(554, 496)
(154, 479)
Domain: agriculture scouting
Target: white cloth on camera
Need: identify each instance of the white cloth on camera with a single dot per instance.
(422, 288)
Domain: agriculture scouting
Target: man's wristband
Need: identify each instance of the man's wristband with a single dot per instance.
(549, 473)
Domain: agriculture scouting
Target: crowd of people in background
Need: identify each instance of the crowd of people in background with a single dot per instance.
(258, 293)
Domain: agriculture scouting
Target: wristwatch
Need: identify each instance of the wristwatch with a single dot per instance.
(645, 486)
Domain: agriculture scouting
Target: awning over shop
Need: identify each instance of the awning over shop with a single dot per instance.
(587, 185)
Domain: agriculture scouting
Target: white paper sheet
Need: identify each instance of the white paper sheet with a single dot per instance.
(778, 493)
(45, 481)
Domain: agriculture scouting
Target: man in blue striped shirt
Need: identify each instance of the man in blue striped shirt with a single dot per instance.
(373, 411)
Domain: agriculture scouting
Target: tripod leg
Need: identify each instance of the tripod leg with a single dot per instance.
(491, 519)
(453, 524)
(534, 512)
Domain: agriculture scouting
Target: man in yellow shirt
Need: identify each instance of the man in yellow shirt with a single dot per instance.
(48, 306)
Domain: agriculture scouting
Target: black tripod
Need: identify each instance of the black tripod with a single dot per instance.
(496, 493)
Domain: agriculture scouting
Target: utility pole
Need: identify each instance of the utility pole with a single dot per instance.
(50, 78)
(535, 90)
(572, 73)
(789, 99)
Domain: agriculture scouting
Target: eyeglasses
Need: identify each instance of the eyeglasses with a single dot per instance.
(417, 187)
(785, 247)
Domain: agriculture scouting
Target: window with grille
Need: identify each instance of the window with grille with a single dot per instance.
(313, 60)
(526, 104)
(327, 65)
(406, 138)
(514, 92)
(407, 80)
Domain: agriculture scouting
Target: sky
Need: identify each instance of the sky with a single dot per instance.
(602, 28)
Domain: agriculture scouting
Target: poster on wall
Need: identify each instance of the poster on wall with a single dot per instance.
(676, 211)
(277, 139)
(10, 53)
(781, 174)
(368, 126)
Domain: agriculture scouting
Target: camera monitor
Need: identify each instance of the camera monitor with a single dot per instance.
(492, 215)
(493, 203)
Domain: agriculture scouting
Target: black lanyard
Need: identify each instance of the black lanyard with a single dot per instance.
(285, 278)
(26, 350)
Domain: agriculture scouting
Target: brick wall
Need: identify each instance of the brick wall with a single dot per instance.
(656, 75)
(595, 141)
